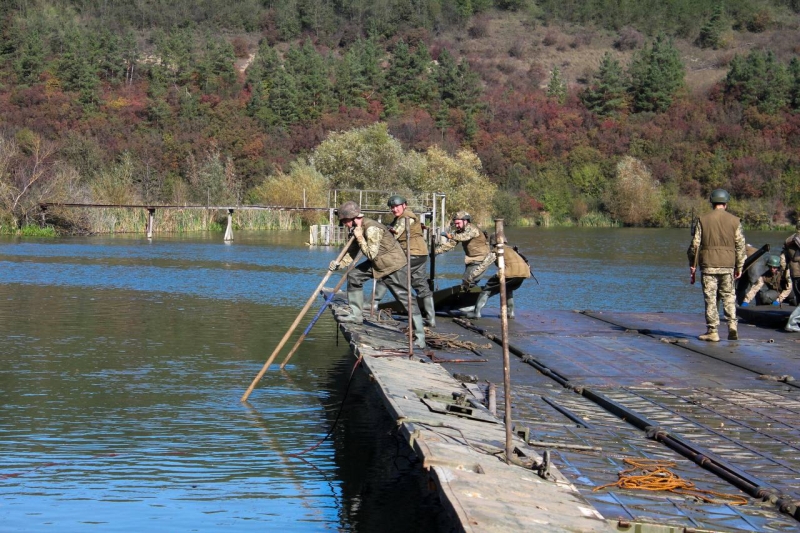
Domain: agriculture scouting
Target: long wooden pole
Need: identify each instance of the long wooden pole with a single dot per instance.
(321, 309)
(408, 288)
(501, 272)
(295, 323)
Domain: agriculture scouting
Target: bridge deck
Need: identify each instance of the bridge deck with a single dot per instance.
(597, 388)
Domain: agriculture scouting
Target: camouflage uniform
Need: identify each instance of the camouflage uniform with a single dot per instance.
(478, 255)
(770, 288)
(791, 255)
(719, 241)
(419, 252)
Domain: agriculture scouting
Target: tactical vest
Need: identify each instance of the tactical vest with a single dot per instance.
(776, 282)
(792, 254)
(717, 241)
(516, 267)
(418, 245)
(476, 249)
(390, 257)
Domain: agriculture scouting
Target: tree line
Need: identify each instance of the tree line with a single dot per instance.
(94, 113)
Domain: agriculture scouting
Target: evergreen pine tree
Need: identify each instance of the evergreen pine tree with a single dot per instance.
(606, 93)
(711, 32)
(656, 74)
(29, 60)
(557, 87)
(794, 80)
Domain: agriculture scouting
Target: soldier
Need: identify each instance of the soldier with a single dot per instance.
(478, 254)
(718, 245)
(791, 256)
(517, 271)
(385, 261)
(419, 256)
(773, 287)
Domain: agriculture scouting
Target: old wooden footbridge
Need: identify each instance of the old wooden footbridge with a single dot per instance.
(621, 421)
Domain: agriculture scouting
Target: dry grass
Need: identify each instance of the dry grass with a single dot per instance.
(507, 46)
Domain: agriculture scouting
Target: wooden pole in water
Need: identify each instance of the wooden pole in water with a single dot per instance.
(408, 288)
(501, 273)
(295, 323)
(321, 309)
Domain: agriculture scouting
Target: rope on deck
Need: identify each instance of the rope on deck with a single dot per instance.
(655, 475)
(434, 339)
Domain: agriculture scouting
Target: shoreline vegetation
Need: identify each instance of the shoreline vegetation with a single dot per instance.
(597, 114)
(123, 221)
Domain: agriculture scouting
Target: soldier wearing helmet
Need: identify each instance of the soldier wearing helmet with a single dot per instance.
(419, 255)
(478, 254)
(718, 247)
(791, 257)
(385, 261)
(773, 287)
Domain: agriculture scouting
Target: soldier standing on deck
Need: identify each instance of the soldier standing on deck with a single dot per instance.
(419, 255)
(385, 261)
(718, 247)
(478, 254)
(791, 253)
(517, 271)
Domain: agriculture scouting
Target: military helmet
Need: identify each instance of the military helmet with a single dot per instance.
(349, 210)
(396, 200)
(720, 196)
(774, 261)
(462, 215)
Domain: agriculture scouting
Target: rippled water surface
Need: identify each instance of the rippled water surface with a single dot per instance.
(123, 362)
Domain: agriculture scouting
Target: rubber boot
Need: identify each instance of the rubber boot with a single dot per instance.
(510, 306)
(419, 331)
(429, 312)
(356, 299)
(733, 331)
(710, 336)
(793, 324)
(482, 299)
(380, 292)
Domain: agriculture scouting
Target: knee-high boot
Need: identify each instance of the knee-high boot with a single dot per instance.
(419, 331)
(482, 299)
(380, 292)
(429, 312)
(356, 299)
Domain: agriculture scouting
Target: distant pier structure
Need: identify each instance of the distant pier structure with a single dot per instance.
(431, 207)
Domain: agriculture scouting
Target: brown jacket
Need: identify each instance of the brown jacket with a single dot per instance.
(516, 267)
(389, 258)
(791, 252)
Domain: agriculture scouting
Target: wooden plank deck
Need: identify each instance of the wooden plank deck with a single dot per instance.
(735, 401)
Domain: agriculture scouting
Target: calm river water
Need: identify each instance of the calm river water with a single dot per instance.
(123, 362)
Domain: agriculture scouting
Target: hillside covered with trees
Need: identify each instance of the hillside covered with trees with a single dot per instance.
(541, 111)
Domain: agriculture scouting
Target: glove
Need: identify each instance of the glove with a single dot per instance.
(744, 304)
(358, 232)
(333, 266)
(776, 302)
(465, 285)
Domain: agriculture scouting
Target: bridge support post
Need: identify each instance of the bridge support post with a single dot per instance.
(151, 216)
(229, 229)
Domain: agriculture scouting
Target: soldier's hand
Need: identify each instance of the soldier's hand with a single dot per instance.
(358, 232)
(465, 285)
(737, 274)
(744, 304)
(445, 235)
(776, 303)
(333, 266)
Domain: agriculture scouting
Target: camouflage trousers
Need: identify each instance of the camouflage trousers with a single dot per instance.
(718, 287)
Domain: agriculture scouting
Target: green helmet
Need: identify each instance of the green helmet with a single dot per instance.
(774, 261)
(396, 200)
(720, 196)
(462, 215)
(349, 210)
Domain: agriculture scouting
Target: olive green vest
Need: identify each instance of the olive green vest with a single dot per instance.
(776, 282)
(516, 267)
(718, 239)
(476, 249)
(418, 246)
(391, 257)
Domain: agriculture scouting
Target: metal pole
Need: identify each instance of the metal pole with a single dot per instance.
(408, 287)
(501, 272)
